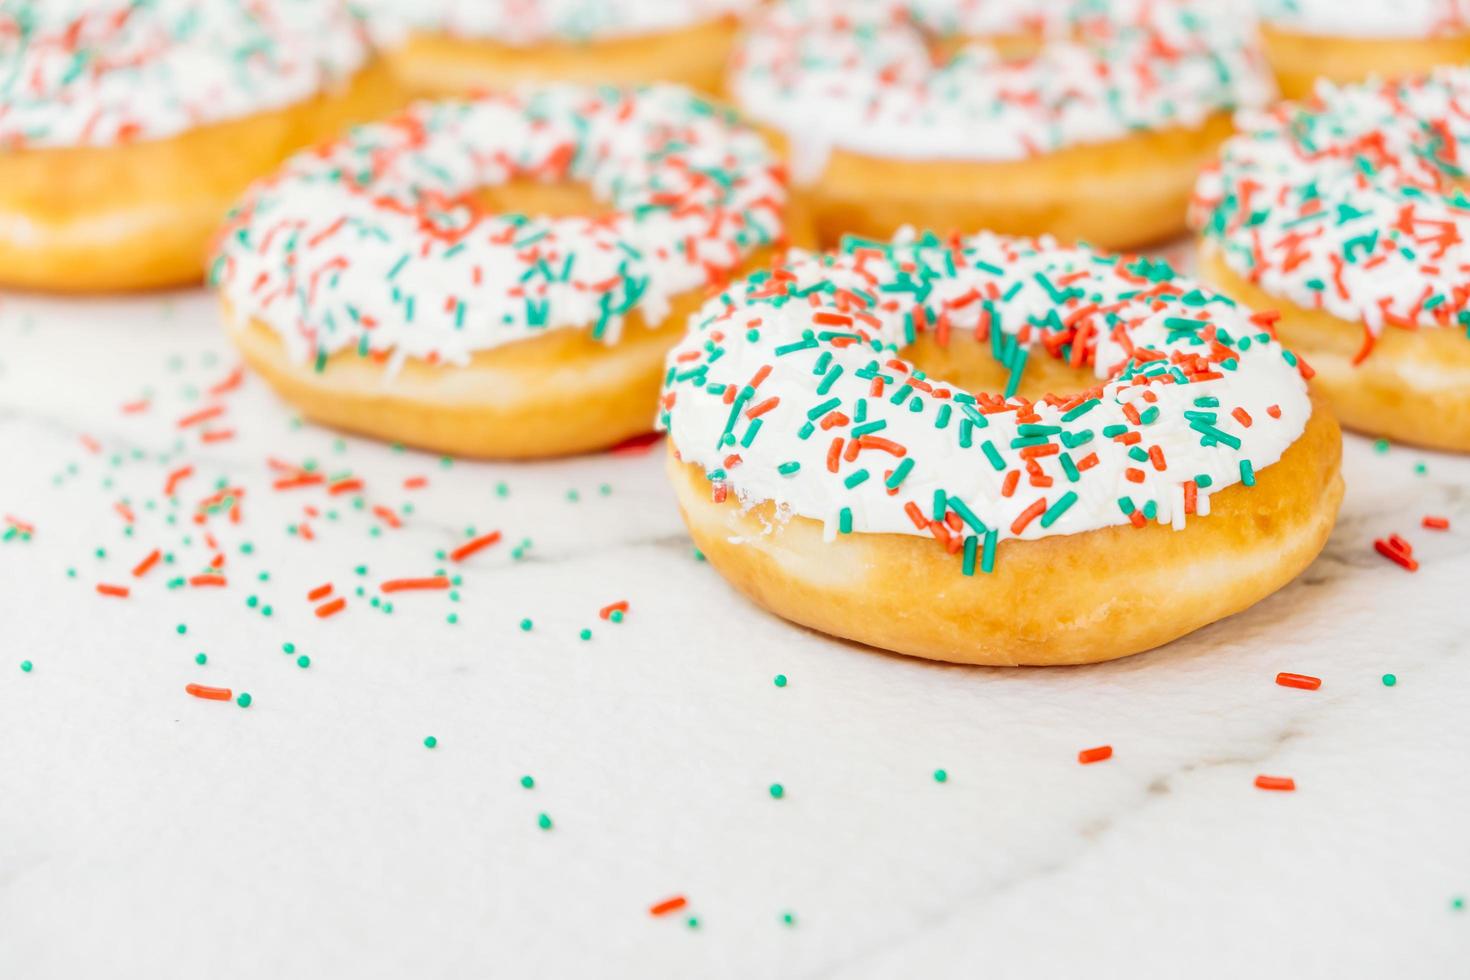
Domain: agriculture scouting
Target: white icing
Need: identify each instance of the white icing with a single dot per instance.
(860, 75)
(398, 258)
(1354, 204)
(720, 351)
(100, 72)
(530, 22)
(1369, 18)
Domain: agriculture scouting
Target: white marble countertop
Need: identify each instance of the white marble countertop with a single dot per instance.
(146, 833)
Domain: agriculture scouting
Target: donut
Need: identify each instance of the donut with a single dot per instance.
(128, 129)
(1345, 41)
(935, 113)
(1348, 215)
(455, 47)
(499, 276)
(854, 447)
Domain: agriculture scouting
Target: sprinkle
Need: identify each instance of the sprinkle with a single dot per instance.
(431, 742)
(1389, 680)
(119, 591)
(209, 693)
(415, 584)
(1436, 523)
(474, 545)
(777, 791)
(1305, 682)
(1282, 783)
(667, 905)
(331, 608)
(780, 680)
(1098, 754)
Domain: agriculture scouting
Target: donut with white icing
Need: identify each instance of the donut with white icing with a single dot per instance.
(498, 276)
(1068, 117)
(453, 47)
(1345, 41)
(1348, 214)
(127, 129)
(859, 443)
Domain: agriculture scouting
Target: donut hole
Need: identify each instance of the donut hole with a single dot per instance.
(542, 199)
(964, 362)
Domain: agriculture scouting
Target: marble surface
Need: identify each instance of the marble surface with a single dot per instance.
(146, 833)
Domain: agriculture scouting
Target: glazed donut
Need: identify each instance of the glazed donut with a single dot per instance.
(1346, 41)
(1348, 214)
(455, 47)
(849, 489)
(903, 112)
(500, 276)
(128, 129)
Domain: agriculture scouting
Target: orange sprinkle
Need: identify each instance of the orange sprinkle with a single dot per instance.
(299, 480)
(1008, 485)
(305, 531)
(415, 482)
(345, 486)
(203, 415)
(141, 569)
(1305, 682)
(230, 381)
(1243, 417)
(1435, 523)
(132, 408)
(93, 446)
(387, 516)
(1134, 474)
(668, 905)
(320, 592)
(1156, 456)
(204, 580)
(217, 435)
(1098, 754)
(1283, 783)
(209, 693)
(758, 410)
(124, 511)
(120, 591)
(474, 545)
(620, 606)
(175, 478)
(331, 608)
(411, 584)
(1037, 508)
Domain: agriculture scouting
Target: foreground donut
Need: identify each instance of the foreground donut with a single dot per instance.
(1348, 215)
(127, 129)
(1344, 41)
(853, 491)
(453, 47)
(907, 112)
(501, 276)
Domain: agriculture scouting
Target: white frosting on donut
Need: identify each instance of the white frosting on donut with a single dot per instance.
(529, 22)
(1354, 202)
(1369, 18)
(788, 389)
(377, 243)
(100, 72)
(861, 75)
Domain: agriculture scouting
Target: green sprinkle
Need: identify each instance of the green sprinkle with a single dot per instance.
(303, 661)
(780, 679)
(527, 782)
(200, 659)
(25, 666)
(586, 634)
(1247, 473)
(244, 699)
(777, 791)
(543, 821)
(1389, 680)
(181, 629)
(940, 776)
(430, 742)
(526, 625)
